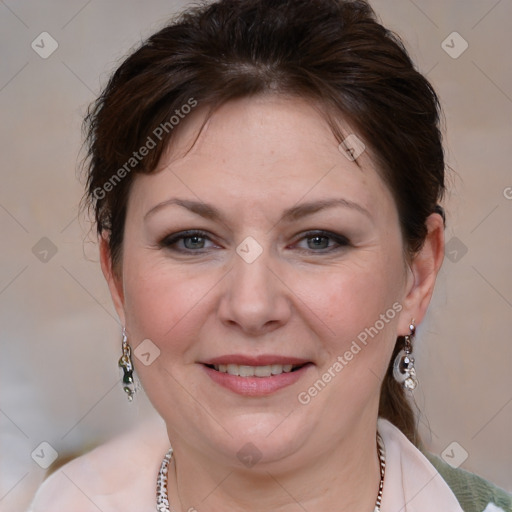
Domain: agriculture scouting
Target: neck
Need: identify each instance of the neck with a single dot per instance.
(345, 477)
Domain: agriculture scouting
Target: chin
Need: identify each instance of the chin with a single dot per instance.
(263, 437)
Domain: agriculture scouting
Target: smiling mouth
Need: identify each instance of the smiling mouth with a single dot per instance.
(255, 371)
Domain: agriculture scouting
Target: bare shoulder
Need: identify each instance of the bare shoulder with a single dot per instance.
(118, 475)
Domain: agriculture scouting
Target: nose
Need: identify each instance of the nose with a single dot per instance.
(255, 298)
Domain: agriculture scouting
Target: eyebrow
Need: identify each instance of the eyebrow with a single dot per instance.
(210, 212)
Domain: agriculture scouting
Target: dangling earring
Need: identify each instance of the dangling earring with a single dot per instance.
(125, 363)
(403, 367)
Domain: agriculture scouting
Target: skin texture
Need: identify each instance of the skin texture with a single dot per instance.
(302, 297)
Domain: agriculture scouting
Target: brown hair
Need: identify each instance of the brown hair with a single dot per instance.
(333, 52)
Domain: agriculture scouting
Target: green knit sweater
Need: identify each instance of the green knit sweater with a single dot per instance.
(473, 492)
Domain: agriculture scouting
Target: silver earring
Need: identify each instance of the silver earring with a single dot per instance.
(125, 363)
(403, 367)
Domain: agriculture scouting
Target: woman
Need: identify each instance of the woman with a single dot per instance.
(266, 178)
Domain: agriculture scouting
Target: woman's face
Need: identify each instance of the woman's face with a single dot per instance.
(299, 261)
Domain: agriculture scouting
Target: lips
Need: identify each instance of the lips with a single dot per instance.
(255, 375)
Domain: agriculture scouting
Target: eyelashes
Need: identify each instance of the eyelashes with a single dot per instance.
(194, 242)
(340, 241)
(171, 241)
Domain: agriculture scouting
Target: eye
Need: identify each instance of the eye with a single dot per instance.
(196, 241)
(319, 241)
(186, 241)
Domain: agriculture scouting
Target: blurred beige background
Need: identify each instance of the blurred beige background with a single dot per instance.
(59, 333)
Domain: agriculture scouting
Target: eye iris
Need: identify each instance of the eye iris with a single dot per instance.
(196, 240)
(320, 245)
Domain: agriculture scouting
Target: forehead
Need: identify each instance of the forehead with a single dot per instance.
(262, 150)
(268, 127)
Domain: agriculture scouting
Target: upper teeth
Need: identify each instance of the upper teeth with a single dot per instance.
(253, 371)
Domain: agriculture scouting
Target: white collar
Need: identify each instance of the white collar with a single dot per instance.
(411, 482)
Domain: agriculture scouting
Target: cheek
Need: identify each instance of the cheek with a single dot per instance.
(359, 306)
(351, 297)
(162, 303)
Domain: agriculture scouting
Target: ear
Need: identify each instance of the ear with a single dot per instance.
(423, 270)
(115, 283)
